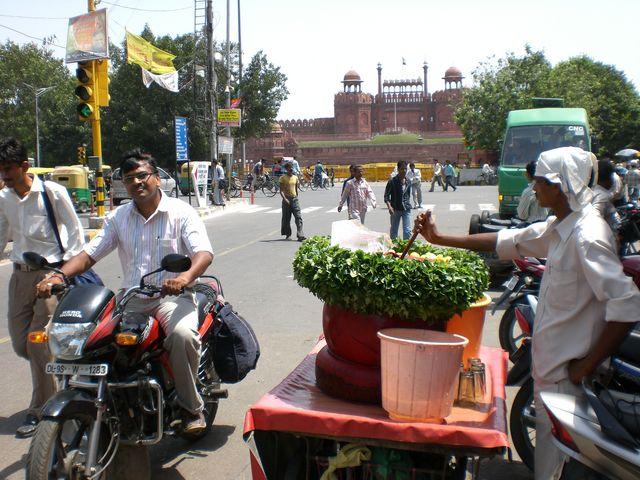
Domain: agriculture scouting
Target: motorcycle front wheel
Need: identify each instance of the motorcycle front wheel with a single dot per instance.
(522, 423)
(509, 331)
(59, 450)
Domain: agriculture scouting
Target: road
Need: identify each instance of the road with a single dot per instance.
(254, 264)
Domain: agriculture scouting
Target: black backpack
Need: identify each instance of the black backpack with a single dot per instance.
(236, 349)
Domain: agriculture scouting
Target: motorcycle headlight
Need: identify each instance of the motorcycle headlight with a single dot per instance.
(66, 340)
(528, 281)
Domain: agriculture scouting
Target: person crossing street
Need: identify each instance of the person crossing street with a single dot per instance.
(290, 204)
(357, 192)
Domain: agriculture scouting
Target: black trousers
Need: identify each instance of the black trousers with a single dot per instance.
(288, 209)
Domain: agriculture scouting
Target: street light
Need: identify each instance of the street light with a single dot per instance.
(38, 92)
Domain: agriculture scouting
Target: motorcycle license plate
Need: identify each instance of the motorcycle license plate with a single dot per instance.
(511, 284)
(97, 370)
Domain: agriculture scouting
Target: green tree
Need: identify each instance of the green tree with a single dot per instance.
(263, 89)
(60, 130)
(500, 86)
(610, 100)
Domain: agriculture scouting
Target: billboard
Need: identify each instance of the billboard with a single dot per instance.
(87, 37)
(229, 117)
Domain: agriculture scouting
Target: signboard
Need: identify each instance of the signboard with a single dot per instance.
(87, 37)
(225, 145)
(182, 144)
(199, 176)
(229, 117)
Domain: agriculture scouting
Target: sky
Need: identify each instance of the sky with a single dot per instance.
(316, 43)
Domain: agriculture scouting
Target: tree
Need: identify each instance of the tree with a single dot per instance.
(500, 86)
(263, 89)
(60, 130)
(610, 100)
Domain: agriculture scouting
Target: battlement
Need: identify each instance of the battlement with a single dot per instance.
(311, 125)
(349, 98)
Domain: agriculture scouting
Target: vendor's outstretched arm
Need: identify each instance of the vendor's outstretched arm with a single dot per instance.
(483, 242)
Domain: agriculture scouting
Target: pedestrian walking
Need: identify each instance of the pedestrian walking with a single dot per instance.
(632, 179)
(586, 306)
(397, 196)
(290, 204)
(358, 193)
(437, 175)
(218, 183)
(449, 175)
(415, 178)
(332, 176)
(352, 168)
(24, 217)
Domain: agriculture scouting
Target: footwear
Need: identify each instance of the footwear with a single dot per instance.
(193, 423)
(287, 237)
(302, 239)
(28, 428)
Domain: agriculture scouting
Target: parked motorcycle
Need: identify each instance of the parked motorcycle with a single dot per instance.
(602, 431)
(115, 383)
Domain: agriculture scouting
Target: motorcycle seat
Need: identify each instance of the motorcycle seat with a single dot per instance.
(202, 304)
(504, 222)
(490, 228)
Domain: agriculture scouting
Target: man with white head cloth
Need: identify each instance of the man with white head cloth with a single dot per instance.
(586, 305)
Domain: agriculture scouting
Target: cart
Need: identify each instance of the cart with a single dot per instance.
(294, 431)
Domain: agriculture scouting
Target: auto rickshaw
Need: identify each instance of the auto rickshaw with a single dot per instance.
(76, 181)
(43, 172)
(185, 176)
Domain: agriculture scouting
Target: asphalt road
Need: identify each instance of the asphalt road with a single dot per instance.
(254, 264)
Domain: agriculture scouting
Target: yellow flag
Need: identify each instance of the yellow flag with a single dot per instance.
(151, 58)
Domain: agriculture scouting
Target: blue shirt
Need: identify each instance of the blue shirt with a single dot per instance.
(448, 171)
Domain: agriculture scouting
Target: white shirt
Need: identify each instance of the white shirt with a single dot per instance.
(414, 176)
(529, 208)
(602, 202)
(437, 170)
(25, 221)
(174, 227)
(218, 172)
(618, 187)
(582, 288)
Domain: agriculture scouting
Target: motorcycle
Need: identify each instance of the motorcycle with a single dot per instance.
(602, 430)
(525, 280)
(115, 382)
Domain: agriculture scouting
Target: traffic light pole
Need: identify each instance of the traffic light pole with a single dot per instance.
(96, 136)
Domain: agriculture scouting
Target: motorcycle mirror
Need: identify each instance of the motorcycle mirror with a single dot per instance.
(176, 263)
(35, 261)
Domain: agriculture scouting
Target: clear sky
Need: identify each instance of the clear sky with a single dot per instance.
(315, 43)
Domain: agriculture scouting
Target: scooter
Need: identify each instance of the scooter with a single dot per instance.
(602, 430)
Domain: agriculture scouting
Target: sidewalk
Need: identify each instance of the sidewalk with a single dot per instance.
(206, 213)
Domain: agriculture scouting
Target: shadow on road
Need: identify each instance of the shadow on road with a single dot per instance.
(15, 467)
(166, 457)
(8, 425)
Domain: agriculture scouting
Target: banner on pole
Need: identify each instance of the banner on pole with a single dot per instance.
(148, 56)
(87, 37)
(229, 117)
(225, 145)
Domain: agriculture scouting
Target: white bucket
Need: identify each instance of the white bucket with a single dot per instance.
(419, 372)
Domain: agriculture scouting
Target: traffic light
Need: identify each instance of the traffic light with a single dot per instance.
(86, 90)
(102, 78)
(82, 155)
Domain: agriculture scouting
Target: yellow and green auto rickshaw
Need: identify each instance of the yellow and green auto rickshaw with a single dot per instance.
(76, 181)
(43, 172)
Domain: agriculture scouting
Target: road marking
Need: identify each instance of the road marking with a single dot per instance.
(457, 206)
(248, 244)
(486, 206)
(255, 209)
(333, 210)
(427, 207)
(310, 209)
(4, 340)
(275, 210)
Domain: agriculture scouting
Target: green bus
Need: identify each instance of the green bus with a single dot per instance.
(528, 133)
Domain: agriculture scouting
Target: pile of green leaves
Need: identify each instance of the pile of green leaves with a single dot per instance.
(372, 283)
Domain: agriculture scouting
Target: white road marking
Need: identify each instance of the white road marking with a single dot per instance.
(457, 206)
(256, 209)
(333, 210)
(487, 206)
(275, 210)
(310, 209)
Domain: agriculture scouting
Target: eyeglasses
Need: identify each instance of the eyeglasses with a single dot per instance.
(142, 176)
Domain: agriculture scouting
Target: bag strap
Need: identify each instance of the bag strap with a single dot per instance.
(51, 216)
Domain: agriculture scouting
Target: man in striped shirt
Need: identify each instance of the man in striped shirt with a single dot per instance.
(356, 192)
(152, 226)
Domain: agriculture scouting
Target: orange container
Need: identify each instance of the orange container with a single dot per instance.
(419, 371)
(470, 325)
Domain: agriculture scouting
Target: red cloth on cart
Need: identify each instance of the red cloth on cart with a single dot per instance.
(297, 405)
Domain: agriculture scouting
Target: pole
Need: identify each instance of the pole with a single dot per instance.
(244, 145)
(212, 81)
(37, 133)
(228, 91)
(95, 132)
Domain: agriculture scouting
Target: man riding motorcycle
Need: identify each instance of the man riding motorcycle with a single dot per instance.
(144, 231)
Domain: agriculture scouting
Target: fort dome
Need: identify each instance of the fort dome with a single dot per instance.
(452, 72)
(352, 76)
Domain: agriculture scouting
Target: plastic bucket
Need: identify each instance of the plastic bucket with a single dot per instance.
(419, 372)
(470, 325)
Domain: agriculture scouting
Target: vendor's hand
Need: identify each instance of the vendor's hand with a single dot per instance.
(174, 286)
(43, 288)
(426, 226)
(578, 369)
(339, 208)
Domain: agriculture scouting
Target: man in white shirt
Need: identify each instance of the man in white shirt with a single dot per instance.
(415, 178)
(586, 306)
(529, 208)
(152, 226)
(257, 172)
(218, 175)
(23, 217)
(437, 175)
